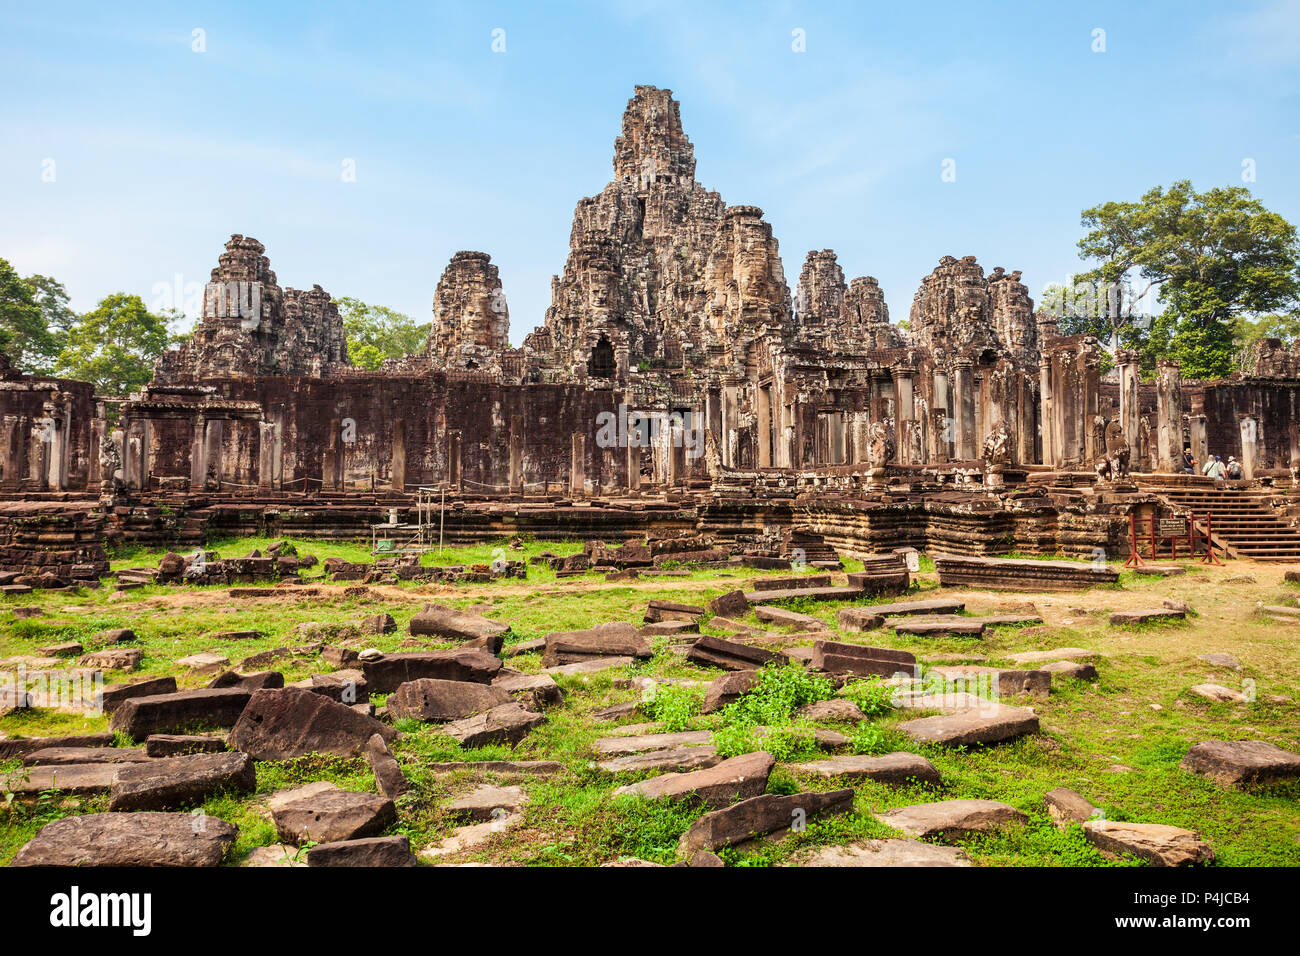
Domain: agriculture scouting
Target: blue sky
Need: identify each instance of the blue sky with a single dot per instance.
(160, 152)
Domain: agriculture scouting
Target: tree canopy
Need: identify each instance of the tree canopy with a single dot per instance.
(114, 346)
(1214, 256)
(376, 332)
(24, 333)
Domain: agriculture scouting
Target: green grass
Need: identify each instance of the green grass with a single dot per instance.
(1101, 738)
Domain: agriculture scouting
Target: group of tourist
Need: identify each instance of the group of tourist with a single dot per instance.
(1214, 467)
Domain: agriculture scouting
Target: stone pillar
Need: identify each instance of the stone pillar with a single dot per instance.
(131, 441)
(941, 425)
(265, 457)
(214, 440)
(763, 402)
(578, 466)
(398, 468)
(1293, 433)
(904, 411)
(1129, 371)
(1249, 446)
(516, 458)
(963, 401)
(10, 444)
(1169, 417)
(1200, 441)
(453, 460)
(1047, 416)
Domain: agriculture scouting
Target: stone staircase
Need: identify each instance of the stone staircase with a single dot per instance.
(1241, 517)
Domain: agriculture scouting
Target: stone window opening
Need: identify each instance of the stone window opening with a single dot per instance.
(601, 363)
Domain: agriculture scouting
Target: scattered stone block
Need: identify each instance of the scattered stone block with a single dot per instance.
(1020, 574)
(65, 649)
(486, 802)
(1060, 654)
(11, 747)
(835, 657)
(1065, 806)
(639, 743)
(1221, 660)
(389, 779)
(835, 709)
(1219, 694)
(75, 779)
(731, 604)
(140, 717)
(784, 618)
(593, 666)
(718, 652)
(897, 769)
(291, 722)
(1002, 682)
(430, 699)
(968, 728)
(717, 786)
(756, 816)
(859, 619)
(941, 625)
(1157, 843)
(728, 689)
(505, 724)
(369, 852)
(617, 639)
(1074, 670)
(111, 697)
(534, 691)
(1242, 763)
(390, 671)
(441, 621)
(670, 628)
(670, 611)
(113, 659)
(63, 756)
(1152, 615)
(331, 814)
(128, 839)
(178, 745)
(205, 662)
(890, 853)
(950, 820)
(170, 783)
(670, 758)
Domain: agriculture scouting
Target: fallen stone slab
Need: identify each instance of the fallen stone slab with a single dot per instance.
(837, 709)
(950, 820)
(897, 769)
(670, 758)
(668, 628)
(206, 662)
(717, 786)
(76, 779)
(178, 745)
(791, 584)
(113, 659)
(784, 618)
(63, 756)
(1157, 843)
(64, 649)
(1281, 610)
(1020, 574)
(760, 815)
(1009, 620)
(1065, 806)
(815, 594)
(1242, 763)
(531, 690)
(441, 700)
(1219, 694)
(248, 682)
(593, 666)
(170, 783)
(503, 767)
(1221, 660)
(731, 604)
(670, 611)
(905, 608)
(735, 627)
(291, 722)
(728, 689)
(140, 717)
(943, 625)
(389, 779)
(1150, 615)
(331, 815)
(617, 639)
(440, 621)
(1060, 654)
(504, 724)
(731, 655)
(129, 839)
(486, 802)
(616, 711)
(346, 686)
(371, 851)
(639, 743)
(972, 727)
(391, 671)
(859, 619)
(115, 635)
(889, 853)
(11, 747)
(1074, 670)
(837, 657)
(1001, 681)
(468, 837)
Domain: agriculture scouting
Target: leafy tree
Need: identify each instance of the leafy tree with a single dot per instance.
(23, 332)
(375, 332)
(1283, 326)
(52, 298)
(115, 345)
(1215, 256)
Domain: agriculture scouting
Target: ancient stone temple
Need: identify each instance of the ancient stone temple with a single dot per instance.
(675, 358)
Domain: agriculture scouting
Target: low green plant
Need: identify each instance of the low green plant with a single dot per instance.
(873, 696)
(673, 706)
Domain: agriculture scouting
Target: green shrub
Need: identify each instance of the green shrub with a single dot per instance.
(873, 696)
(674, 706)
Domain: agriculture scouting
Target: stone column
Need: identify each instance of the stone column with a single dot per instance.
(265, 457)
(1046, 412)
(1200, 441)
(516, 458)
(941, 426)
(1249, 446)
(578, 466)
(398, 468)
(1129, 372)
(963, 401)
(1169, 417)
(904, 411)
(763, 401)
(1293, 433)
(453, 460)
(10, 445)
